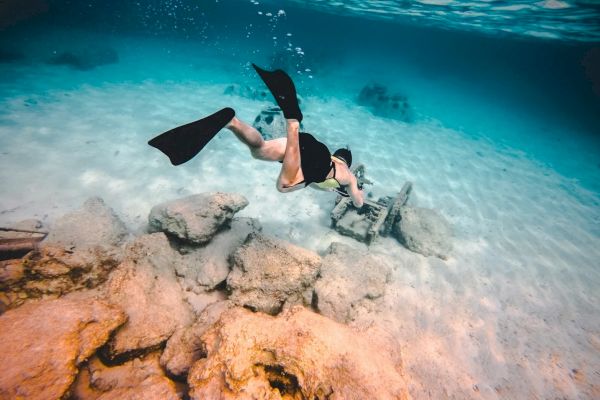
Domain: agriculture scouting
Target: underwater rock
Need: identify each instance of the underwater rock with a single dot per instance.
(54, 271)
(270, 123)
(350, 281)
(268, 274)
(85, 60)
(42, 344)
(145, 286)
(377, 99)
(424, 231)
(93, 225)
(247, 92)
(185, 346)
(204, 268)
(140, 378)
(10, 56)
(196, 219)
(296, 355)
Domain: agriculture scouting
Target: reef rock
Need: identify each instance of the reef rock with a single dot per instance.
(196, 219)
(350, 281)
(296, 355)
(271, 123)
(204, 268)
(93, 225)
(85, 60)
(247, 92)
(145, 286)
(381, 103)
(268, 274)
(185, 346)
(42, 344)
(424, 231)
(140, 378)
(54, 271)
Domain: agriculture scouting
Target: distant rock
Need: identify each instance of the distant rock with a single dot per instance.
(93, 225)
(85, 60)
(145, 286)
(376, 98)
(296, 355)
(53, 271)
(185, 346)
(140, 378)
(424, 231)
(42, 344)
(270, 123)
(350, 281)
(10, 55)
(268, 274)
(247, 92)
(196, 219)
(204, 268)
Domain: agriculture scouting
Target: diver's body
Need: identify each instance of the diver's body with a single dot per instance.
(291, 177)
(304, 160)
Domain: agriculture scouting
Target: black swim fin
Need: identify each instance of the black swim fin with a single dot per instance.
(282, 88)
(181, 144)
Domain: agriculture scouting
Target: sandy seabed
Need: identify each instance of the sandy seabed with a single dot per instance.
(512, 314)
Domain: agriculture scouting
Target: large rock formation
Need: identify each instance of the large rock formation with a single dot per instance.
(140, 378)
(297, 355)
(268, 274)
(204, 268)
(145, 286)
(185, 346)
(349, 283)
(43, 343)
(424, 231)
(79, 252)
(93, 225)
(195, 219)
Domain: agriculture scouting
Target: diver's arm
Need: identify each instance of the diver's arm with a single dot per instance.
(355, 193)
(290, 167)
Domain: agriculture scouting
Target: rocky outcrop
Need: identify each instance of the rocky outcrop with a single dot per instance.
(185, 346)
(54, 271)
(145, 286)
(350, 283)
(93, 225)
(85, 60)
(196, 219)
(424, 231)
(270, 123)
(140, 378)
(377, 99)
(298, 354)
(268, 274)
(43, 343)
(204, 268)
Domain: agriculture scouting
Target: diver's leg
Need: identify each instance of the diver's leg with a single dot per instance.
(291, 171)
(268, 150)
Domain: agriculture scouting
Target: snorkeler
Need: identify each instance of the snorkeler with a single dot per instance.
(305, 160)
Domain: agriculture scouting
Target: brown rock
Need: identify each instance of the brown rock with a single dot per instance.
(296, 355)
(43, 343)
(140, 378)
(268, 274)
(145, 286)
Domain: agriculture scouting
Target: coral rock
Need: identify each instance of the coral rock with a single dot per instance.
(268, 274)
(296, 355)
(145, 286)
(43, 343)
(424, 231)
(196, 219)
(350, 282)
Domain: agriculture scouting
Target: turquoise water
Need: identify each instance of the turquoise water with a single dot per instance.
(502, 138)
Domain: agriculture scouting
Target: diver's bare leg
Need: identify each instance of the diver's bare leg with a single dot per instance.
(268, 150)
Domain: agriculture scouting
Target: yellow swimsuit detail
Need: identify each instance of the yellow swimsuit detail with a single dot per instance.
(330, 183)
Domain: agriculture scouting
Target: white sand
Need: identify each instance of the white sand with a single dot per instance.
(512, 314)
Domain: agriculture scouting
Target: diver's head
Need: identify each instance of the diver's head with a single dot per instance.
(344, 155)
